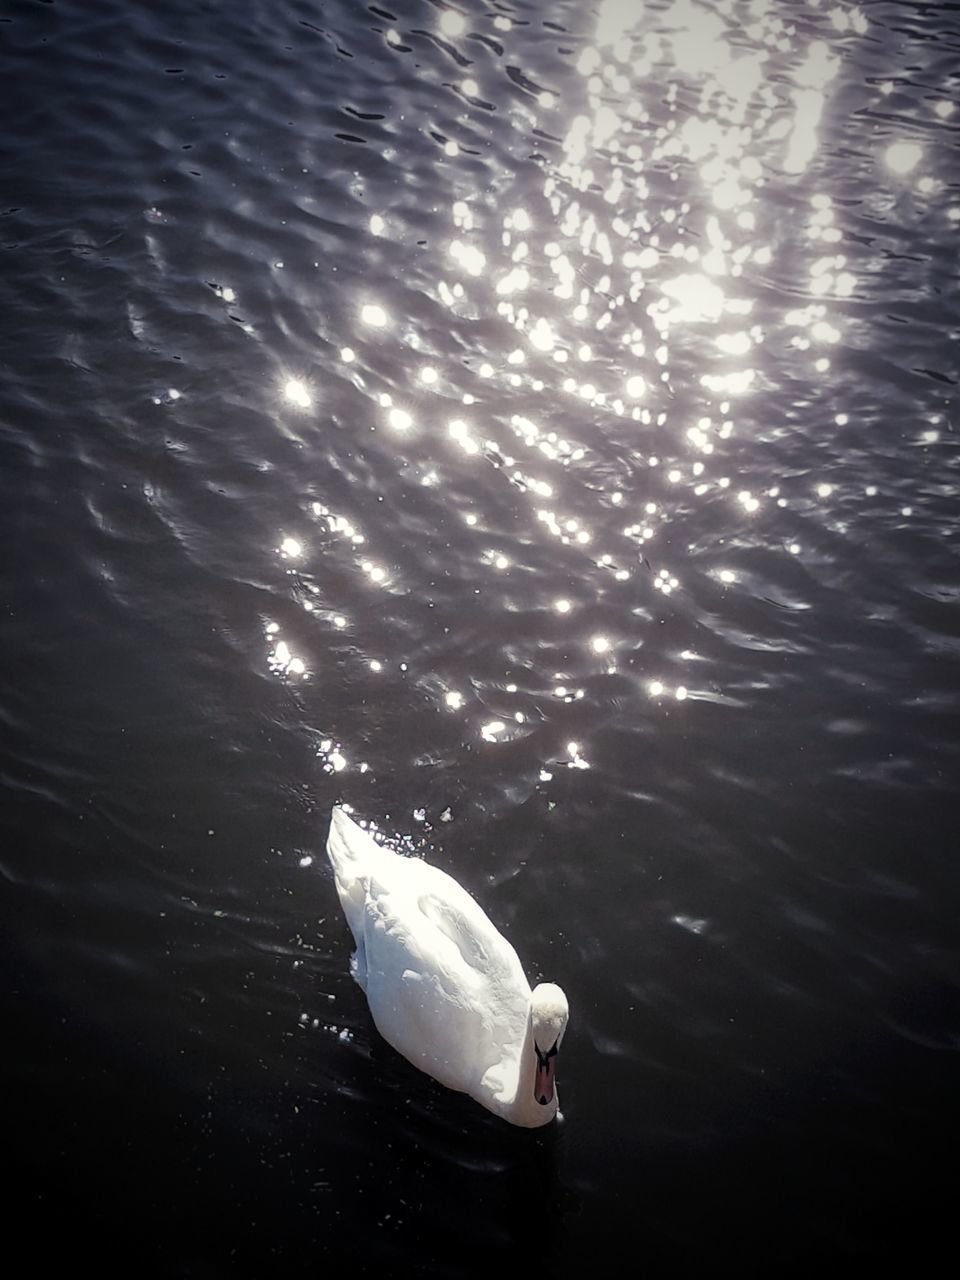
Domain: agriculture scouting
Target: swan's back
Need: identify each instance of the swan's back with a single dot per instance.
(444, 986)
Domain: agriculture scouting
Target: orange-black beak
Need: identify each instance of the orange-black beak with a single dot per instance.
(546, 1072)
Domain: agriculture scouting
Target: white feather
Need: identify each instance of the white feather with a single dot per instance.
(445, 988)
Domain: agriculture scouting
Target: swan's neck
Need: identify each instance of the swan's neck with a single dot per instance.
(524, 1108)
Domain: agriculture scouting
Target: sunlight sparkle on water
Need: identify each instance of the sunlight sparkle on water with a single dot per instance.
(334, 758)
(282, 662)
(452, 23)
(374, 571)
(297, 393)
(468, 256)
(373, 314)
(460, 431)
(542, 335)
(902, 157)
(618, 271)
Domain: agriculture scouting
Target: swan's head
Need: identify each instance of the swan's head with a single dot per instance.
(548, 1017)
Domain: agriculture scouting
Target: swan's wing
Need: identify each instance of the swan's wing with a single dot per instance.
(458, 918)
(436, 991)
(445, 988)
(427, 898)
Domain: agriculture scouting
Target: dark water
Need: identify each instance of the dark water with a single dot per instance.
(655, 648)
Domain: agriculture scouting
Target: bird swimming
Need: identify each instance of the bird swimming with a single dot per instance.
(444, 986)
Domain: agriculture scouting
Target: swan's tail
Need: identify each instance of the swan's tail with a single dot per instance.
(354, 856)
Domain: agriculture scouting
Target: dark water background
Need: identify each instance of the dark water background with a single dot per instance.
(749, 892)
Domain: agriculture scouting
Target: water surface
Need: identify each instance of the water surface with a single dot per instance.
(533, 425)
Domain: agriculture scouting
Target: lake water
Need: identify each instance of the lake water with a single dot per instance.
(534, 425)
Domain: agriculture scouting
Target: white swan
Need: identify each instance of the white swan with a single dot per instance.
(444, 987)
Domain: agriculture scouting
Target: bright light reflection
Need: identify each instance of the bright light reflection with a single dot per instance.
(297, 393)
(374, 315)
(374, 571)
(452, 23)
(335, 759)
(901, 157)
(281, 661)
(626, 276)
(468, 256)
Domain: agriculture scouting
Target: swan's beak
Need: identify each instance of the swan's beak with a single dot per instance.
(546, 1072)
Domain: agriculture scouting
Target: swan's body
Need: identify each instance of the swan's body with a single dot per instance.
(445, 988)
